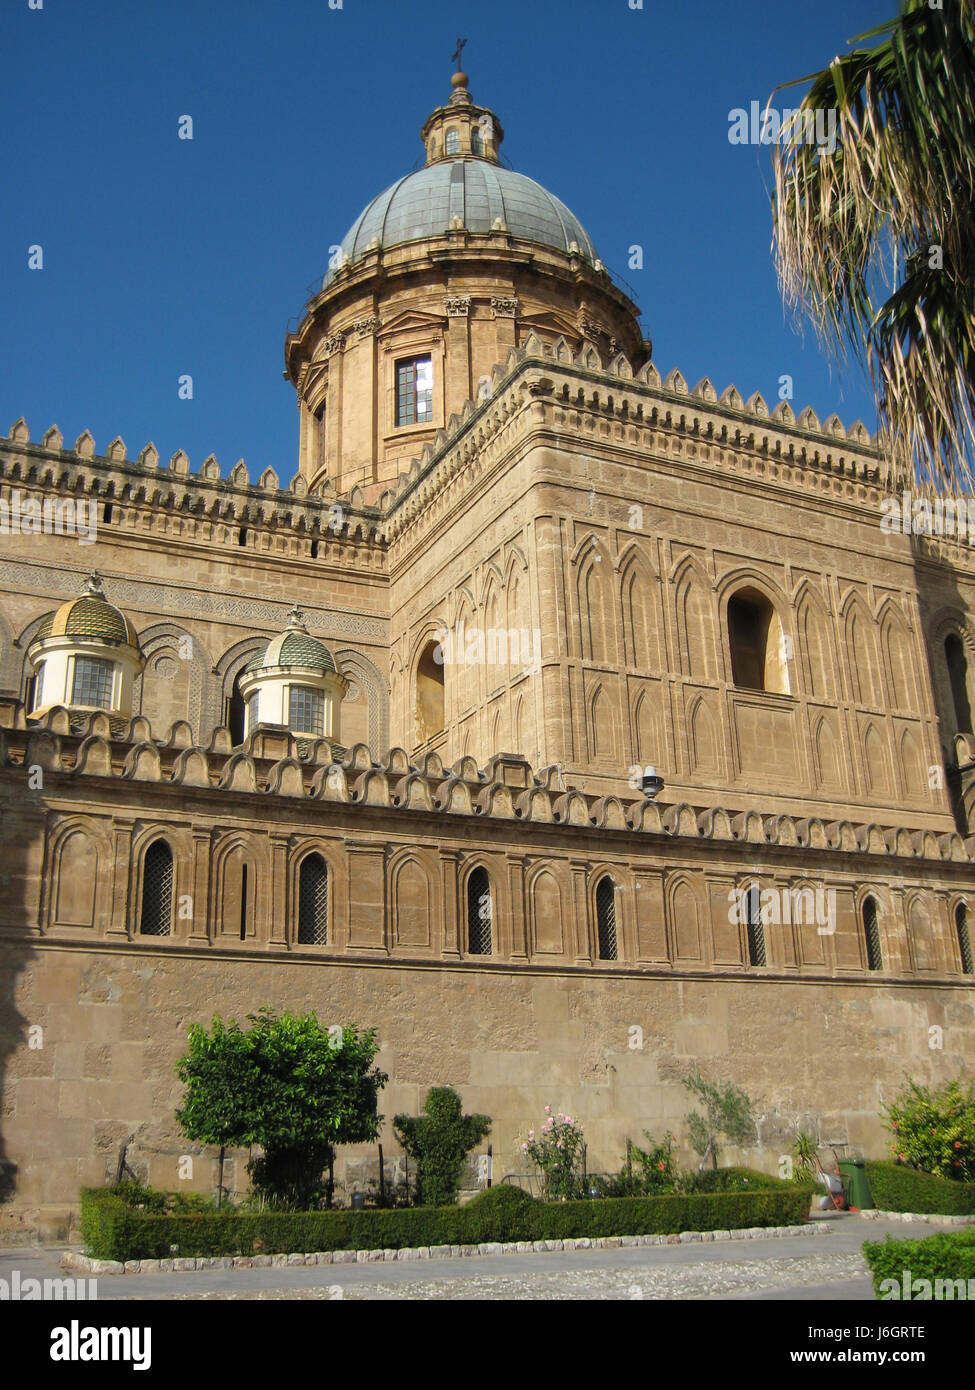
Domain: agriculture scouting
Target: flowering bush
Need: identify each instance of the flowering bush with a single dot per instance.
(658, 1173)
(934, 1129)
(556, 1151)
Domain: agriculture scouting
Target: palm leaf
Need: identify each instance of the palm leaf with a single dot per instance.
(854, 228)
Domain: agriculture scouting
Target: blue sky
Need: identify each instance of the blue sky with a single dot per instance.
(164, 256)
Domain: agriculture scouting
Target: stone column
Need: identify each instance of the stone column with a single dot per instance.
(517, 946)
(279, 932)
(583, 943)
(121, 922)
(200, 886)
(452, 915)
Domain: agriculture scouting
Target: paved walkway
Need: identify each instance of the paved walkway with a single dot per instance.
(804, 1267)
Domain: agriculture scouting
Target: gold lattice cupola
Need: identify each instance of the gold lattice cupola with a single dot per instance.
(462, 130)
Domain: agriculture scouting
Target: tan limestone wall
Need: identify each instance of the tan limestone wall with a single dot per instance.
(824, 1055)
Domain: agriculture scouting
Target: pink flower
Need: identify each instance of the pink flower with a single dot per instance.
(568, 1119)
(524, 1148)
(957, 1143)
(531, 1134)
(548, 1110)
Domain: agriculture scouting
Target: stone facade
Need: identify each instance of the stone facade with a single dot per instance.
(575, 560)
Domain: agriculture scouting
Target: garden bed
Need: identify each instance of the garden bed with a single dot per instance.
(115, 1228)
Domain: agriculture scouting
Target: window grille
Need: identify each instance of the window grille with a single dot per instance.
(871, 932)
(313, 902)
(414, 391)
(606, 918)
(93, 680)
(306, 710)
(452, 143)
(157, 890)
(479, 913)
(756, 928)
(964, 939)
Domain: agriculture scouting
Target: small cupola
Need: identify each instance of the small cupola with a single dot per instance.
(85, 655)
(294, 683)
(461, 130)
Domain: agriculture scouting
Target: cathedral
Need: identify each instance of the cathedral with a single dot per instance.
(571, 725)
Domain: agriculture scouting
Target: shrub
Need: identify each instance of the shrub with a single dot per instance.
(656, 1164)
(934, 1129)
(727, 1112)
(941, 1257)
(895, 1187)
(113, 1230)
(731, 1180)
(440, 1139)
(556, 1152)
(502, 1213)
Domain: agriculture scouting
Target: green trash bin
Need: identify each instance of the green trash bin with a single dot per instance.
(855, 1182)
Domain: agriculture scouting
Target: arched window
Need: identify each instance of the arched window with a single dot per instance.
(313, 901)
(871, 933)
(758, 646)
(234, 713)
(958, 676)
(756, 927)
(477, 145)
(157, 890)
(606, 918)
(429, 693)
(964, 939)
(479, 913)
(452, 143)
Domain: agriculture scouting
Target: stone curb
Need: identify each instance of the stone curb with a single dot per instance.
(71, 1259)
(930, 1218)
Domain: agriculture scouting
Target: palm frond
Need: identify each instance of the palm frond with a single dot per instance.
(874, 239)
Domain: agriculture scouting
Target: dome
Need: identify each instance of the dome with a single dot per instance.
(424, 203)
(90, 617)
(294, 647)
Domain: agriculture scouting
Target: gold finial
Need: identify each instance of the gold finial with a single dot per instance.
(296, 619)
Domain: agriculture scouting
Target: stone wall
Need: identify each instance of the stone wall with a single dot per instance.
(114, 1022)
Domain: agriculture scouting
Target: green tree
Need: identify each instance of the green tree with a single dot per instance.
(727, 1113)
(934, 1128)
(440, 1139)
(288, 1084)
(875, 237)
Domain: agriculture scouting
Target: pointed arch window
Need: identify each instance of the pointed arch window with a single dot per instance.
(157, 890)
(958, 676)
(606, 919)
(755, 925)
(871, 934)
(757, 643)
(480, 913)
(429, 693)
(313, 901)
(964, 939)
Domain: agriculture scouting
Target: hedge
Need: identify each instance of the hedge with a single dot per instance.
(895, 1187)
(114, 1230)
(948, 1256)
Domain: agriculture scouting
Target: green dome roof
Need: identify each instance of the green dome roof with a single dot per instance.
(294, 647)
(90, 617)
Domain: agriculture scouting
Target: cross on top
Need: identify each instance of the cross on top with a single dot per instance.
(456, 52)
